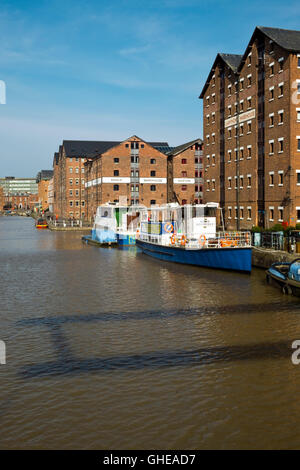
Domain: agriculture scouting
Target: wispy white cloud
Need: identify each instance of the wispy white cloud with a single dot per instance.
(133, 51)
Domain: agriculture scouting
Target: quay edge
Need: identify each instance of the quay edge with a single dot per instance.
(264, 257)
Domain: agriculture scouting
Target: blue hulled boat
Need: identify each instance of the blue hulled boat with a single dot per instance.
(234, 259)
(188, 235)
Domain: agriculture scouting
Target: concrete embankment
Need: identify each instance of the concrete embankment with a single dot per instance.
(264, 257)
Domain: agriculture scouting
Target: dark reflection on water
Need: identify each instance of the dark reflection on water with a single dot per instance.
(73, 366)
(112, 349)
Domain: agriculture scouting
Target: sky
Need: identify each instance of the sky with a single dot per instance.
(109, 69)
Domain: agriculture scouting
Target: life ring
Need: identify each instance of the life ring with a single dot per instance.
(168, 227)
(225, 243)
(173, 239)
(202, 240)
(183, 240)
(137, 233)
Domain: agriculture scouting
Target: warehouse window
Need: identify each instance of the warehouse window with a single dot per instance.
(152, 161)
(280, 214)
(152, 187)
(116, 187)
(280, 145)
(280, 86)
(116, 172)
(152, 173)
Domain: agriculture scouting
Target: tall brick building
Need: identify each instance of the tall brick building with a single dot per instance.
(251, 129)
(43, 178)
(69, 178)
(131, 172)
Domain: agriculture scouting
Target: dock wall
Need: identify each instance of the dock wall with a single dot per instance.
(263, 257)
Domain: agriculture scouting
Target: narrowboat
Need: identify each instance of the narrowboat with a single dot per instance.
(286, 276)
(41, 223)
(187, 234)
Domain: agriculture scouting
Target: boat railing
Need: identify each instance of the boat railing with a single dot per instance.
(220, 240)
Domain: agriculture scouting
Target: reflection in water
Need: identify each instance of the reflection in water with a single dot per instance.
(113, 349)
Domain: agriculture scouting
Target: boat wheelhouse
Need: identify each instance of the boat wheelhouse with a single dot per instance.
(115, 223)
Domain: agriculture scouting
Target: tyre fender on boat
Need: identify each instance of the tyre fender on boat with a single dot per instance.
(286, 290)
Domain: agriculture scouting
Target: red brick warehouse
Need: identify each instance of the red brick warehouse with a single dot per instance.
(251, 128)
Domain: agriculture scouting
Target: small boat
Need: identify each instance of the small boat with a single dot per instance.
(188, 235)
(286, 276)
(116, 224)
(41, 223)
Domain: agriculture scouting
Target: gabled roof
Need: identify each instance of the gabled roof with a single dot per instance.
(55, 158)
(44, 175)
(230, 60)
(87, 148)
(286, 38)
(181, 148)
(81, 148)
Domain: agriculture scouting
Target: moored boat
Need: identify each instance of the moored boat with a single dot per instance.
(41, 223)
(188, 235)
(115, 223)
(286, 276)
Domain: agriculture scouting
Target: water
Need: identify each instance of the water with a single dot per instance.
(112, 349)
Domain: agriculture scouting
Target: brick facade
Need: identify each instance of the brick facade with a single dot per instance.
(68, 184)
(250, 128)
(130, 172)
(185, 173)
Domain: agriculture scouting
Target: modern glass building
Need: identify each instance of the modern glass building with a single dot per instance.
(14, 186)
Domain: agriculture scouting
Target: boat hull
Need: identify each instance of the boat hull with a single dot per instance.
(125, 240)
(233, 259)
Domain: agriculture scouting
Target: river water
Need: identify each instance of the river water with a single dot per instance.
(111, 349)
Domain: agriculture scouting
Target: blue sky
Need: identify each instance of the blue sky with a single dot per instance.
(105, 70)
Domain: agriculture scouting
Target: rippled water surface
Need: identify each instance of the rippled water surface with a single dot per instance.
(112, 349)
